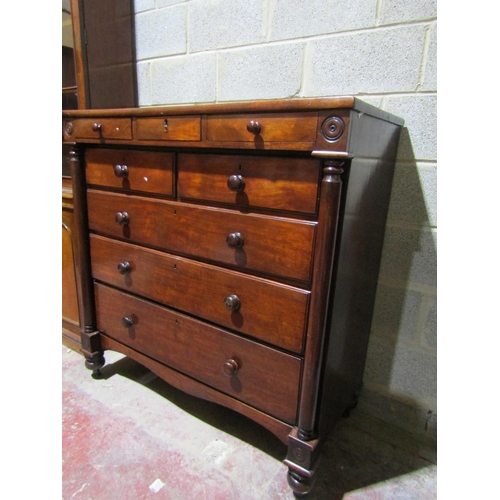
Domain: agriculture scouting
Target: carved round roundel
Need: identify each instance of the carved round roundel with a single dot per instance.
(68, 128)
(333, 128)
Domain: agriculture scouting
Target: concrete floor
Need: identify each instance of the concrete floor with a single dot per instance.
(131, 436)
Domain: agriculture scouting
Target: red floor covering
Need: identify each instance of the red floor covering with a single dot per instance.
(131, 436)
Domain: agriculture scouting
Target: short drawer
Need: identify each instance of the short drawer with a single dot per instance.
(273, 245)
(145, 171)
(171, 128)
(100, 128)
(255, 374)
(262, 309)
(265, 127)
(277, 183)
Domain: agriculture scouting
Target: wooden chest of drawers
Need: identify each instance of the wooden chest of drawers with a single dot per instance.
(233, 249)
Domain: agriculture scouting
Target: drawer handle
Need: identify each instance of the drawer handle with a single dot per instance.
(124, 267)
(121, 171)
(236, 183)
(232, 303)
(253, 126)
(96, 127)
(127, 321)
(122, 218)
(235, 240)
(230, 367)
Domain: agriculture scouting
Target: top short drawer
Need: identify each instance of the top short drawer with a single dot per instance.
(266, 127)
(278, 183)
(168, 128)
(130, 170)
(101, 128)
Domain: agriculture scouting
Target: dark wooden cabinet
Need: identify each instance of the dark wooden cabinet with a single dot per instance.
(234, 249)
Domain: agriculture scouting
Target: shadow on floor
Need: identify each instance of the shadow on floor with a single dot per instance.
(360, 451)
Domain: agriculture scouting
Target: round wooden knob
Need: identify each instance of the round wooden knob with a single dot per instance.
(236, 183)
(122, 218)
(235, 240)
(96, 127)
(127, 321)
(230, 367)
(121, 171)
(232, 303)
(253, 126)
(124, 267)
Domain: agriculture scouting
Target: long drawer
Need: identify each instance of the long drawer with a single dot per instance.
(277, 183)
(250, 372)
(130, 170)
(262, 309)
(273, 245)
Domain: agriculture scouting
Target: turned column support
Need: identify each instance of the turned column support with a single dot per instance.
(90, 336)
(303, 443)
(331, 188)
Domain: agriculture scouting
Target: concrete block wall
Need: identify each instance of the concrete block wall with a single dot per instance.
(383, 51)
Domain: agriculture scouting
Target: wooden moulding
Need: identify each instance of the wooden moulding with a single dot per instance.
(333, 103)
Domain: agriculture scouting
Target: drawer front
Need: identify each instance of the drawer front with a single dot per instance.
(267, 127)
(173, 128)
(255, 374)
(289, 184)
(267, 310)
(277, 246)
(107, 128)
(147, 171)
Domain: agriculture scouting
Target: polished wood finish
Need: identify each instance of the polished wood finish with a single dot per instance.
(280, 127)
(106, 128)
(330, 105)
(323, 263)
(168, 128)
(272, 245)
(279, 428)
(139, 171)
(90, 337)
(258, 260)
(275, 183)
(202, 351)
(269, 311)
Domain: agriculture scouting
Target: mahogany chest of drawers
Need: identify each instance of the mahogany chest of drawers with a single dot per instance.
(233, 249)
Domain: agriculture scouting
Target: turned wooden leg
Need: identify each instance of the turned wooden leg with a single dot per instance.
(300, 485)
(89, 335)
(302, 460)
(95, 363)
(92, 350)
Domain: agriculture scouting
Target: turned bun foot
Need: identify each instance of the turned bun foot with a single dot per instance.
(300, 485)
(95, 364)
